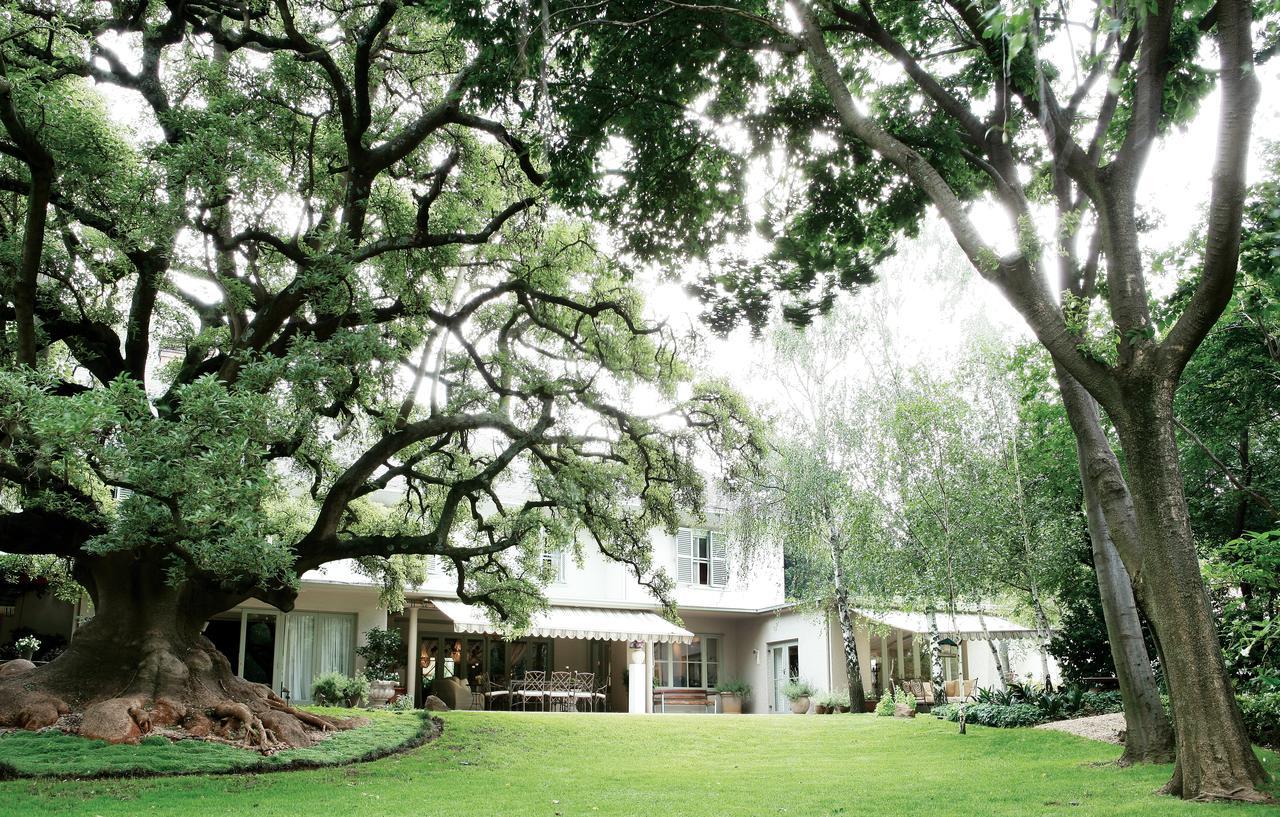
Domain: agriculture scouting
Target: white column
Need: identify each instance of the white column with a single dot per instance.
(884, 663)
(637, 688)
(902, 664)
(411, 658)
(915, 656)
(648, 676)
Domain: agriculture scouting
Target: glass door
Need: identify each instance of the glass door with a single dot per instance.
(784, 667)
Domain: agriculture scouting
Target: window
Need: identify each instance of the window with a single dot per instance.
(701, 558)
(553, 562)
(691, 666)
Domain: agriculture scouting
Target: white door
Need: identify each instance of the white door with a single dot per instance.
(784, 667)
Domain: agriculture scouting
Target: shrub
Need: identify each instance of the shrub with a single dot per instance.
(832, 700)
(734, 686)
(382, 652)
(402, 703)
(1262, 717)
(797, 689)
(885, 707)
(998, 715)
(336, 689)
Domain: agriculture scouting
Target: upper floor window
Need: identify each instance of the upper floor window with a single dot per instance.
(553, 561)
(701, 557)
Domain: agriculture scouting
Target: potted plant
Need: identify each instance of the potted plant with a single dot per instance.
(732, 693)
(27, 646)
(799, 693)
(382, 653)
(336, 689)
(904, 704)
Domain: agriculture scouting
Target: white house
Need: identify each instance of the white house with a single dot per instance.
(736, 625)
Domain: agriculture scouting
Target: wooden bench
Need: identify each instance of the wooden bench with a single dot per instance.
(662, 698)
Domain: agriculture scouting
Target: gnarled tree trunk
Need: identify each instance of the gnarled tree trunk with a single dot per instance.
(142, 662)
(1214, 757)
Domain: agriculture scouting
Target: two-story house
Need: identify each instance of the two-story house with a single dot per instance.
(736, 625)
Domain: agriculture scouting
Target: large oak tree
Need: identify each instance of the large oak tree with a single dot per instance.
(308, 263)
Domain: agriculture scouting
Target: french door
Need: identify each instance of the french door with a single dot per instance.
(784, 667)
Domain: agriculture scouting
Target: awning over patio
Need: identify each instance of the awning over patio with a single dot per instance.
(964, 625)
(572, 622)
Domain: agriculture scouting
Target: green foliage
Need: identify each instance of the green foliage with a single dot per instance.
(735, 686)
(1262, 717)
(797, 689)
(992, 714)
(320, 304)
(337, 689)
(884, 707)
(902, 696)
(383, 653)
(54, 754)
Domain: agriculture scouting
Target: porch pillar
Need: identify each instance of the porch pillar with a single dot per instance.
(637, 688)
(411, 657)
(915, 656)
(884, 663)
(902, 664)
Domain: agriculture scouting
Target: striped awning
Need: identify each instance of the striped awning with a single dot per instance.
(963, 625)
(572, 622)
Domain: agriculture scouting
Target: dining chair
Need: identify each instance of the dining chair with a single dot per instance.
(533, 686)
(560, 690)
(584, 687)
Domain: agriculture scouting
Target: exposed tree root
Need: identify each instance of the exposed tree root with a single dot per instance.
(187, 690)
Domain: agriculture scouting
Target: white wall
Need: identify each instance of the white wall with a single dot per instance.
(810, 632)
(600, 581)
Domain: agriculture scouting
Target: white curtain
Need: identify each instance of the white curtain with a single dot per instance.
(316, 643)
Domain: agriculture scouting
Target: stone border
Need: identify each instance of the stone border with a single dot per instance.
(432, 728)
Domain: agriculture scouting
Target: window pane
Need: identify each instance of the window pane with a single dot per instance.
(713, 674)
(680, 674)
(704, 548)
(713, 648)
(695, 650)
(704, 573)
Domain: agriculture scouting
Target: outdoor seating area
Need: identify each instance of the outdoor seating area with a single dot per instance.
(557, 691)
(956, 690)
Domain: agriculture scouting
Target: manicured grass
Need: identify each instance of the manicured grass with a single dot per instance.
(61, 755)
(543, 765)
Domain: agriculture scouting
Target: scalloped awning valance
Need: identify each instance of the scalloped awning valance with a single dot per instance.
(572, 622)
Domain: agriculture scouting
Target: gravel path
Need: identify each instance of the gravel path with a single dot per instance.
(1109, 728)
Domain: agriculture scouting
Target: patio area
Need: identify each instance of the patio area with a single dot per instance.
(573, 658)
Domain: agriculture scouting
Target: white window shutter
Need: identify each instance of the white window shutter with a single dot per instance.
(719, 560)
(684, 556)
(121, 494)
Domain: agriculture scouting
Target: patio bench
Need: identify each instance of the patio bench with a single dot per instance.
(662, 698)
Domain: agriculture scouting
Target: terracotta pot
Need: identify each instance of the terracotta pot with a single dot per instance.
(842, 708)
(821, 709)
(730, 703)
(800, 705)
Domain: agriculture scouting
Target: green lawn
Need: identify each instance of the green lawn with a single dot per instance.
(599, 765)
(45, 753)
